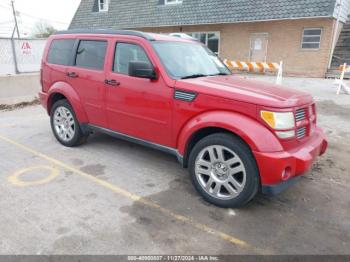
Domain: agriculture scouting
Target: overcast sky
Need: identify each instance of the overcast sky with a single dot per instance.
(58, 13)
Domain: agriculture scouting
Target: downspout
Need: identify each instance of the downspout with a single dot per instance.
(335, 33)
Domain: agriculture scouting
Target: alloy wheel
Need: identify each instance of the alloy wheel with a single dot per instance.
(220, 172)
(64, 123)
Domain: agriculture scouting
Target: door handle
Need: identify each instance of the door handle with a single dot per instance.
(72, 74)
(112, 82)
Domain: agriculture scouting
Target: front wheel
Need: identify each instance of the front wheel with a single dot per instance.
(224, 171)
(65, 126)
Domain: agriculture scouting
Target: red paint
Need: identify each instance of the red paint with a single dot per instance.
(26, 48)
(298, 159)
(146, 109)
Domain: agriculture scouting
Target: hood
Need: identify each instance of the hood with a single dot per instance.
(250, 91)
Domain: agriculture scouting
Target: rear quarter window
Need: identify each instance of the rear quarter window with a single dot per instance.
(60, 52)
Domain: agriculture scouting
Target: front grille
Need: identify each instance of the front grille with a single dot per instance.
(300, 114)
(301, 132)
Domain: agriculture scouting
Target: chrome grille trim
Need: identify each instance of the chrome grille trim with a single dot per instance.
(301, 132)
(300, 114)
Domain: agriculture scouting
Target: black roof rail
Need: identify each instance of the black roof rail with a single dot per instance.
(106, 32)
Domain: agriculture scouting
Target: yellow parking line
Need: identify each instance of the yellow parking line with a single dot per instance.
(132, 196)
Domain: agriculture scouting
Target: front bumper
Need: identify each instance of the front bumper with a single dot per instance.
(296, 162)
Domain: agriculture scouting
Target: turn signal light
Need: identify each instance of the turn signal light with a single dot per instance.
(278, 120)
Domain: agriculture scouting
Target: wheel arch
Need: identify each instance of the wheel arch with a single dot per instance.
(62, 90)
(248, 130)
(53, 98)
(200, 134)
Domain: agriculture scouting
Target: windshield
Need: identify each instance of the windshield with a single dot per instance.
(189, 60)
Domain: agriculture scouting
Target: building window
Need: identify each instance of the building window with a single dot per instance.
(311, 38)
(103, 5)
(210, 39)
(172, 2)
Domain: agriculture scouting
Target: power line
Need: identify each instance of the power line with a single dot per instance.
(42, 18)
(6, 22)
(5, 7)
(34, 17)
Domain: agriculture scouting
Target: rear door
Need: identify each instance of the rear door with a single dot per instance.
(87, 77)
(137, 107)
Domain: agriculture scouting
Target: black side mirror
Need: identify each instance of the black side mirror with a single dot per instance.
(142, 70)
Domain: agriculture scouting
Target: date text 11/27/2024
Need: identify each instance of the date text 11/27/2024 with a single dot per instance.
(173, 258)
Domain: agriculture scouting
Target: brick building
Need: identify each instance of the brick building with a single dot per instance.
(301, 33)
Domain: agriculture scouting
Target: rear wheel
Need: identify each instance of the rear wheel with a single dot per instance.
(65, 125)
(224, 171)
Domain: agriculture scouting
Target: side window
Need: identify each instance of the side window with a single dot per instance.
(91, 54)
(60, 52)
(125, 53)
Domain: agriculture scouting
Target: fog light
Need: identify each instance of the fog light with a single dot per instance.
(286, 173)
(286, 134)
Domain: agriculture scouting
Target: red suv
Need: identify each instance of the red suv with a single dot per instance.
(237, 137)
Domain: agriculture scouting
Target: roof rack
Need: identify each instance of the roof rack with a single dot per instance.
(107, 32)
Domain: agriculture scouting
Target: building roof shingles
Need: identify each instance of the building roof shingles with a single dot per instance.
(148, 13)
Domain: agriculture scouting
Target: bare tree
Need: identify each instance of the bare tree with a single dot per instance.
(43, 29)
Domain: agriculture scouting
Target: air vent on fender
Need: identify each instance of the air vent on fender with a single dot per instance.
(184, 95)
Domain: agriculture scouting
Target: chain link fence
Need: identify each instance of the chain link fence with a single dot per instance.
(20, 55)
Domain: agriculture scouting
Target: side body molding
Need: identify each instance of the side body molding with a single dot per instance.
(72, 96)
(258, 137)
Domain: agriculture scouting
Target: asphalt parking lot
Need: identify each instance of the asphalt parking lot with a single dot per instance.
(113, 197)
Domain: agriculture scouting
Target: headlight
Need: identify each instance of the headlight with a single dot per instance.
(279, 120)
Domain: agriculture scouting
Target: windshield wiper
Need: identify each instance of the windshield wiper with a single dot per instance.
(193, 76)
(220, 74)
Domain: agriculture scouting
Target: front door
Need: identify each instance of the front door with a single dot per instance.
(137, 107)
(258, 47)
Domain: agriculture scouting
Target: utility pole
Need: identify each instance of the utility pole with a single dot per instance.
(15, 18)
(13, 40)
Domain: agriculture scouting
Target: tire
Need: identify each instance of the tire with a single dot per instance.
(65, 125)
(224, 171)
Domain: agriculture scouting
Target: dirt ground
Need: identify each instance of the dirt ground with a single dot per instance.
(113, 197)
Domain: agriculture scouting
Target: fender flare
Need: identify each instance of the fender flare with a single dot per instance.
(258, 137)
(72, 96)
